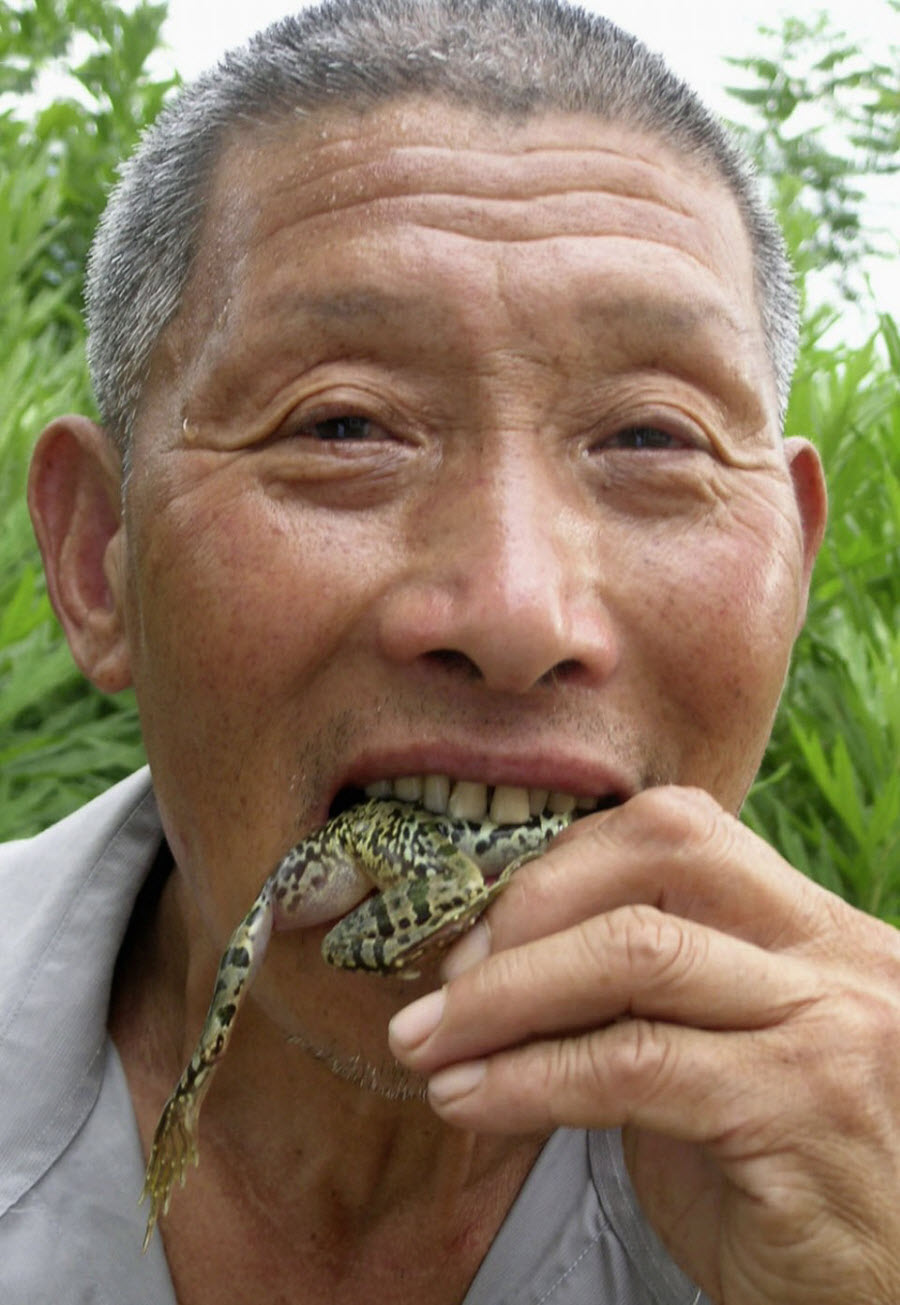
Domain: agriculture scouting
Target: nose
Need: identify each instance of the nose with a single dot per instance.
(503, 584)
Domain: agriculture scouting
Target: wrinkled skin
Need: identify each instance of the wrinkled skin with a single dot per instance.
(746, 1040)
(462, 457)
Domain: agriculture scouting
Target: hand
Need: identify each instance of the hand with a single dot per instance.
(663, 969)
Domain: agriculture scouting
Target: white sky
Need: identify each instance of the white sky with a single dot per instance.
(695, 36)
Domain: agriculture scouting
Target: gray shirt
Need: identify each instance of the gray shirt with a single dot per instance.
(71, 1166)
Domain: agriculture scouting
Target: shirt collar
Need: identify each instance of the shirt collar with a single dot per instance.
(71, 890)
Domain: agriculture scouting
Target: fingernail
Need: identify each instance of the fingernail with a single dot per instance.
(457, 1081)
(412, 1025)
(471, 948)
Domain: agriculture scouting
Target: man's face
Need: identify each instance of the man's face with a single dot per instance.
(460, 459)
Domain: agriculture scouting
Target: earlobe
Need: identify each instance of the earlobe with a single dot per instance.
(74, 493)
(808, 480)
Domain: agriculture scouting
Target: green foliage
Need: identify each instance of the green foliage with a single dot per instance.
(829, 792)
(60, 741)
(100, 51)
(825, 122)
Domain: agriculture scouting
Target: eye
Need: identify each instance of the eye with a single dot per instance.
(644, 437)
(346, 427)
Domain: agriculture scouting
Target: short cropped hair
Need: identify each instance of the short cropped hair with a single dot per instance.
(503, 57)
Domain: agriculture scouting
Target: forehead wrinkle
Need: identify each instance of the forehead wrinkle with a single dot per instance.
(484, 170)
(366, 175)
(560, 238)
(572, 211)
(475, 225)
(265, 193)
(337, 177)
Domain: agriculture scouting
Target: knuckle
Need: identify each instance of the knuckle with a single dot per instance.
(656, 944)
(575, 1079)
(675, 815)
(501, 976)
(877, 1017)
(868, 1020)
(844, 1065)
(681, 827)
(870, 945)
(652, 946)
(637, 1058)
(863, 1085)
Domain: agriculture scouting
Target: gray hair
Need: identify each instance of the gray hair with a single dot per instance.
(502, 57)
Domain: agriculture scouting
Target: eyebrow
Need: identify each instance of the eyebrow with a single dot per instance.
(657, 318)
(346, 305)
(671, 329)
(668, 328)
(660, 314)
(656, 314)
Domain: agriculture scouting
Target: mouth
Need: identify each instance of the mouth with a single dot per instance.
(465, 799)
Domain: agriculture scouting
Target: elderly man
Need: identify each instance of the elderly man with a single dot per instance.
(442, 351)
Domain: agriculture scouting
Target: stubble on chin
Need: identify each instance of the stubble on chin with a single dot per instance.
(388, 1079)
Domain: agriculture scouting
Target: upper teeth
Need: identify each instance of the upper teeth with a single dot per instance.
(468, 800)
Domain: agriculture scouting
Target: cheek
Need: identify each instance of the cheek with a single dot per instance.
(720, 617)
(205, 618)
(242, 618)
(241, 602)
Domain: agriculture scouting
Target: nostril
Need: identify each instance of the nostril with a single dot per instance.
(568, 669)
(459, 663)
(455, 661)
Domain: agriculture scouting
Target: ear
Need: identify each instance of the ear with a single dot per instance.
(74, 494)
(808, 480)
